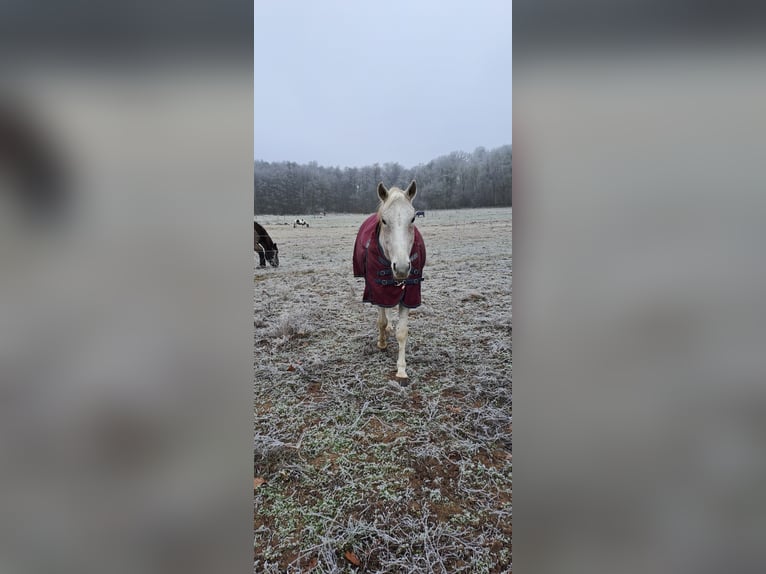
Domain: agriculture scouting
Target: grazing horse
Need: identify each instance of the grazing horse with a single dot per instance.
(390, 253)
(302, 222)
(420, 214)
(265, 247)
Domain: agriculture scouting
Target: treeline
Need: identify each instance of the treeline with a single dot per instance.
(478, 179)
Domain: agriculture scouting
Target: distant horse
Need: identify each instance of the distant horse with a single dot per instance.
(420, 214)
(265, 247)
(302, 222)
(390, 253)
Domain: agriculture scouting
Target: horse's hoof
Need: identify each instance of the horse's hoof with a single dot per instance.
(382, 346)
(402, 375)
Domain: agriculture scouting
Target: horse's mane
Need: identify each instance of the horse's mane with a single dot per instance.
(263, 237)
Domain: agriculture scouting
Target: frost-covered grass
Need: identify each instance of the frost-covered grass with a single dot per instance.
(414, 478)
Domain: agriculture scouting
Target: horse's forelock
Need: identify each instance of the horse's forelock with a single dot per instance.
(394, 194)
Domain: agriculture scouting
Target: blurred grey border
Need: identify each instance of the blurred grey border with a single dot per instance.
(640, 369)
(126, 157)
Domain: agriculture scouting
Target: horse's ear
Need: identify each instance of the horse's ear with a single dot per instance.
(411, 190)
(382, 191)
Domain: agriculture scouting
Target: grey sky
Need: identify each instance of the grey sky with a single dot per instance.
(352, 83)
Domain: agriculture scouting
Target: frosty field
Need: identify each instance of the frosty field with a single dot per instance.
(353, 471)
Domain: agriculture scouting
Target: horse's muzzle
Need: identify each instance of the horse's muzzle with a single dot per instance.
(400, 274)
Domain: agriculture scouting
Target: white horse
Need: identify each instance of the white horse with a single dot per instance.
(390, 255)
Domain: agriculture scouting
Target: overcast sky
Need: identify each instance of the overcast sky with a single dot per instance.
(352, 83)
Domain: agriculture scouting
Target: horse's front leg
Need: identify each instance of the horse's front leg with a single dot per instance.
(261, 256)
(382, 328)
(401, 338)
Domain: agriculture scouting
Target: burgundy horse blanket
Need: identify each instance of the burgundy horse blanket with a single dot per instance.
(380, 287)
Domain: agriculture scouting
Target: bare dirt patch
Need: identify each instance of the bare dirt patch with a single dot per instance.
(414, 478)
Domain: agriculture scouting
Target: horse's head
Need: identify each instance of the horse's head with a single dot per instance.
(397, 229)
(272, 256)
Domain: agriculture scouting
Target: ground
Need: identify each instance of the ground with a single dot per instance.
(355, 472)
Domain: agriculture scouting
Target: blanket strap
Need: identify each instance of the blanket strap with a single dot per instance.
(412, 281)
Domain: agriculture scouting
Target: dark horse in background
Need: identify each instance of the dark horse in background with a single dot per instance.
(265, 247)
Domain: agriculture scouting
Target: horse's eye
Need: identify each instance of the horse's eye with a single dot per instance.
(413, 219)
(383, 220)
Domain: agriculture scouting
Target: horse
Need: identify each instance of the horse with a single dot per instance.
(420, 214)
(390, 254)
(265, 247)
(302, 222)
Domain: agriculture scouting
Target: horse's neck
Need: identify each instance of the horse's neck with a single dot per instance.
(266, 241)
